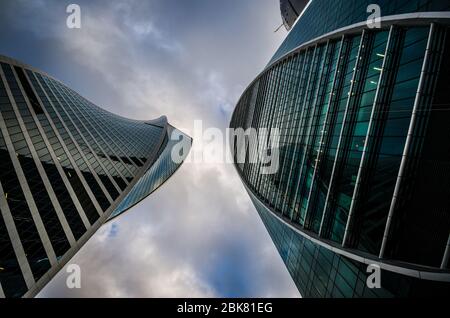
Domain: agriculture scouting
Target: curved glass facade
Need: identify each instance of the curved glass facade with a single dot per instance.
(155, 176)
(66, 164)
(319, 272)
(363, 154)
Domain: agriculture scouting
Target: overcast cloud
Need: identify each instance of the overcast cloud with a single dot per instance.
(198, 235)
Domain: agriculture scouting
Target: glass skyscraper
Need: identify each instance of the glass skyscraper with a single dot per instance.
(364, 119)
(67, 167)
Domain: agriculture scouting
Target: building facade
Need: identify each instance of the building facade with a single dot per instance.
(363, 114)
(67, 167)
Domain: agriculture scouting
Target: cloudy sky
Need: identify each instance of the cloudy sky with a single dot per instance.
(199, 235)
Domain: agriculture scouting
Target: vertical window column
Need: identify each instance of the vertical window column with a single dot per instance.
(387, 138)
(59, 167)
(312, 221)
(31, 229)
(15, 274)
(95, 170)
(423, 169)
(291, 120)
(86, 197)
(296, 127)
(54, 220)
(311, 133)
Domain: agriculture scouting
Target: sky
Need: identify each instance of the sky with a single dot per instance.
(199, 234)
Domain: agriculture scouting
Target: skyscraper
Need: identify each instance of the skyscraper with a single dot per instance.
(363, 113)
(67, 167)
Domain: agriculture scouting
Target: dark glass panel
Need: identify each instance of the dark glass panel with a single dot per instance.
(11, 278)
